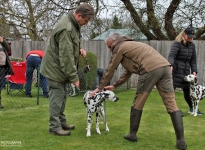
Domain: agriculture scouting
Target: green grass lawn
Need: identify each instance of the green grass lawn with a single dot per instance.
(28, 127)
(16, 98)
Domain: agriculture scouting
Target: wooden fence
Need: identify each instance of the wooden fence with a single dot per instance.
(20, 48)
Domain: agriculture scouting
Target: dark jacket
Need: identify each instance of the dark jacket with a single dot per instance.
(8, 68)
(62, 54)
(183, 60)
(135, 57)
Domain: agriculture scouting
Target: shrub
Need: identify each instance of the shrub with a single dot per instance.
(87, 80)
(16, 59)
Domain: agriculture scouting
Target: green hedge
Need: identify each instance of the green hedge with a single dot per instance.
(87, 81)
(16, 59)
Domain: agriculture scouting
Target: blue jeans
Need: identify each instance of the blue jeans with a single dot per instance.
(33, 62)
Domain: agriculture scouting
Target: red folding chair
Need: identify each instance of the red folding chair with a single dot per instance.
(17, 81)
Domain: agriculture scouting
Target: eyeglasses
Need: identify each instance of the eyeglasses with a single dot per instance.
(86, 21)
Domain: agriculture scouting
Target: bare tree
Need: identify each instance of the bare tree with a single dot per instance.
(178, 15)
(156, 19)
(34, 17)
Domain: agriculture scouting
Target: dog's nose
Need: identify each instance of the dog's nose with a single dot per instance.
(116, 99)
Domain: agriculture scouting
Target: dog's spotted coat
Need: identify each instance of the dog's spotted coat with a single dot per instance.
(197, 92)
(95, 105)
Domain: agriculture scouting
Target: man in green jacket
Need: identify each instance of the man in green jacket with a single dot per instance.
(153, 69)
(60, 62)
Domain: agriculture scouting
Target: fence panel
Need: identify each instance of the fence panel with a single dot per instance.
(20, 48)
(200, 54)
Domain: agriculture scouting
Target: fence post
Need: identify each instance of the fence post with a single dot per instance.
(86, 81)
(38, 78)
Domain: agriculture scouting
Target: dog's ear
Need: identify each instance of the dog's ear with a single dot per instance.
(106, 93)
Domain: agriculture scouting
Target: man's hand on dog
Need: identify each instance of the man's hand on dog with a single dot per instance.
(93, 92)
(110, 87)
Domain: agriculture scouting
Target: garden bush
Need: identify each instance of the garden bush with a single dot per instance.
(87, 78)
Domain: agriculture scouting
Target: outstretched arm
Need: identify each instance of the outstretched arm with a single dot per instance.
(110, 87)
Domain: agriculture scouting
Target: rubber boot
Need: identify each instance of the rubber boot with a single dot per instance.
(135, 117)
(176, 117)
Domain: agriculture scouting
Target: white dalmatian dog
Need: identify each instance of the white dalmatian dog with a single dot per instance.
(95, 105)
(197, 92)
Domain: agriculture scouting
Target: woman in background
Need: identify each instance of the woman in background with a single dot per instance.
(182, 57)
(5, 66)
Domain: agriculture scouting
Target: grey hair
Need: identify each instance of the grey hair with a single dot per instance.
(112, 36)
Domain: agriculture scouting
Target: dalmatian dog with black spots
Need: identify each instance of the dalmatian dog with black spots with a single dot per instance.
(197, 92)
(95, 105)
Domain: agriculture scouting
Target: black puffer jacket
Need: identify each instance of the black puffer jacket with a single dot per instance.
(183, 60)
(8, 64)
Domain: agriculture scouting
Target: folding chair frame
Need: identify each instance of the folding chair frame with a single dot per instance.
(18, 80)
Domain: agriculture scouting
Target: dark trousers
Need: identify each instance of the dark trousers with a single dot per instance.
(57, 102)
(33, 62)
(187, 96)
(2, 76)
(3, 83)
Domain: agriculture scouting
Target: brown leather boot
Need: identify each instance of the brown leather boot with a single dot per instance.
(60, 132)
(135, 117)
(68, 127)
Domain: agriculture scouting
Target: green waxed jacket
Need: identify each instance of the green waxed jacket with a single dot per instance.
(62, 54)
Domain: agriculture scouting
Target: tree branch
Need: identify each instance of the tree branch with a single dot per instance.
(153, 21)
(169, 18)
(138, 20)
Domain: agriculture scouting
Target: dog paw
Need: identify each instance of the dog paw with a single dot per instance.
(88, 134)
(98, 131)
